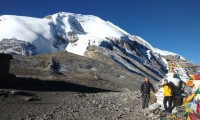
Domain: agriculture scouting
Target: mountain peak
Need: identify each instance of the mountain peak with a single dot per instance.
(76, 33)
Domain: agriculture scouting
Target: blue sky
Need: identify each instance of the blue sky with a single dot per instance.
(172, 25)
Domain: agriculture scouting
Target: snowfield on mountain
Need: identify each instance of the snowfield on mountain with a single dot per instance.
(79, 34)
(83, 35)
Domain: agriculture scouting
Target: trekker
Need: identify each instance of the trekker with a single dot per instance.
(145, 89)
(167, 96)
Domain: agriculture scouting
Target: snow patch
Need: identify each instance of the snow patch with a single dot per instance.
(166, 53)
(148, 54)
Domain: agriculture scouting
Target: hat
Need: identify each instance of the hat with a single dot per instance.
(166, 80)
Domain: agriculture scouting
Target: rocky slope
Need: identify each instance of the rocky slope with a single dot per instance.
(64, 66)
(84, 35)
(67, 86)
(190, 67)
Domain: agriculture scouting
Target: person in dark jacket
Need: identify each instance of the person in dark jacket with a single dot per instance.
(145, 89)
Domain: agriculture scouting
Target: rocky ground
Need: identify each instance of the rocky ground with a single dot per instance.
(66, 86)
(31, 105)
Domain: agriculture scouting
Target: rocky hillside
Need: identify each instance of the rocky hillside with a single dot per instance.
(64, 66)
(84, 35)
(63, 85)
(190, 67)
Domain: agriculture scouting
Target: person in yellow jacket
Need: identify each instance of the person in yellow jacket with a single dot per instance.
(167, 96)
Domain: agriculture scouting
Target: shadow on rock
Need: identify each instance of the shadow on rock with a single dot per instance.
(47, 85)
(10, 81)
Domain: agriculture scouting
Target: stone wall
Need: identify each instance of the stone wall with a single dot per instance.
(4, 65)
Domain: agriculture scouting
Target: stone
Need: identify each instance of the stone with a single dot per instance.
(4, 65)
(3, 93)
(32, 99)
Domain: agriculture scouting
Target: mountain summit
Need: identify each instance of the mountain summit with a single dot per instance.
(84, 35)
(73, 32)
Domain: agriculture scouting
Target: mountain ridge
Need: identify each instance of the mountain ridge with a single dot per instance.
(77, 33)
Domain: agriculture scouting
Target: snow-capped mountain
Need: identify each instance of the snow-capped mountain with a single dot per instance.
(167, 53)
(83, 35)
